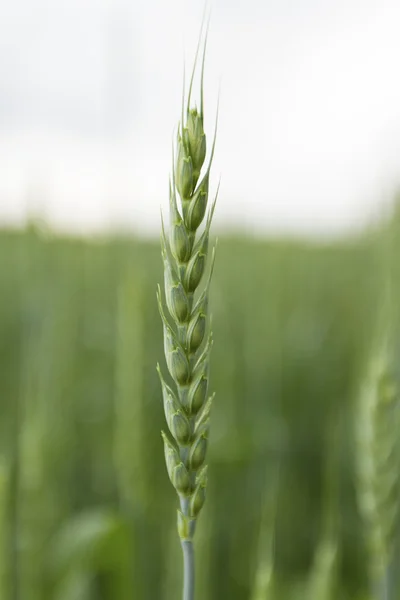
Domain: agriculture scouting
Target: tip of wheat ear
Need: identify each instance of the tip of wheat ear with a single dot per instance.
(184, 309)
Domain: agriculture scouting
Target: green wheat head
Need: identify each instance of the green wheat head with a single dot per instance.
(378, 458)
(187, 332)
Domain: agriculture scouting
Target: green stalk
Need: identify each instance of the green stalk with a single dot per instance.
(129, 445)
(130, 424)
(381, 587)
(187, 332)
(188, 569)
(263, 586)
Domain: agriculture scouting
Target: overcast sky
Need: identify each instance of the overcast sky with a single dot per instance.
(90, 92)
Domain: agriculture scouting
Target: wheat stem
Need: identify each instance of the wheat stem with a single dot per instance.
(381, 587)
(188, 569)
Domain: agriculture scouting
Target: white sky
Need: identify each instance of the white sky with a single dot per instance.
(90, 91)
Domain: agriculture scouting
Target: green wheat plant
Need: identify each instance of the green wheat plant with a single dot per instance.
(187, 332)
(323, 578)
(378, 457)
(263, 586)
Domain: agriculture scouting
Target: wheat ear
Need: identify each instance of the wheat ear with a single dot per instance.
(378, 426)
(187, 333)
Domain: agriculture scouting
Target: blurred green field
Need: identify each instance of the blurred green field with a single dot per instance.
(86, 508)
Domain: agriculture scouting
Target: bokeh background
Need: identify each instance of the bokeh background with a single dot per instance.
(308, 151)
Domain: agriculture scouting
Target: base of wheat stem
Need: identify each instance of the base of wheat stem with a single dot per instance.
(381, 587)
(188, 570)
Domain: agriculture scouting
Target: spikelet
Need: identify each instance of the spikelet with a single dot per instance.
(186, 321)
